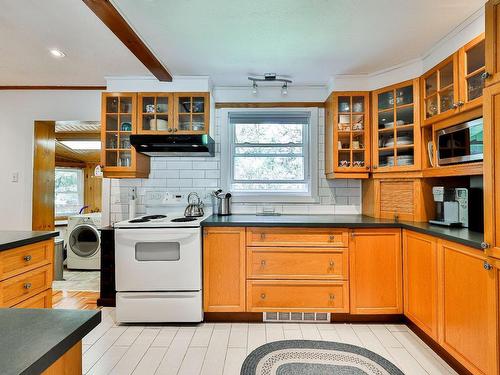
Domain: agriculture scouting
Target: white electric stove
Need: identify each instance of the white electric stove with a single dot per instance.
(158, 263)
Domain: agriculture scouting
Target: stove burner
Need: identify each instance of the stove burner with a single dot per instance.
(183, 219)
(154, 217)
(140, 220)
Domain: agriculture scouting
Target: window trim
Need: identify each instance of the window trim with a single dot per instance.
(81, 182)
(311, 196)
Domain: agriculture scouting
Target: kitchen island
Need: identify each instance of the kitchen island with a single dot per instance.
(42, 341)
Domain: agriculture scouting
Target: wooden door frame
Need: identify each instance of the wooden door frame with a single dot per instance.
(44, 158)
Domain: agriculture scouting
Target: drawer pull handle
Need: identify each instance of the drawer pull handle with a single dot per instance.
(487, 266)
(263, 263)
(332, 237)
(262, 236)
(332, 296)
(27, 286)
(263, 296)
(27, 258)
(332, 264)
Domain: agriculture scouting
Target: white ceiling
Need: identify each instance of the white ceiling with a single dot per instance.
(308, 40)
(29, 28)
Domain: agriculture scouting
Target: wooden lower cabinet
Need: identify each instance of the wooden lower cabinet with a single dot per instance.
(24, 286)
(297, 295)
(293, 237)
(224, 269)
(466, 288)
(420, 281)
(297, 263)
(375, 260)
(42, 300)
(70, 363)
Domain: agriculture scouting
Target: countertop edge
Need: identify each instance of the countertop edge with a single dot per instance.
(402, 225)
(63, 346)
(28, 241)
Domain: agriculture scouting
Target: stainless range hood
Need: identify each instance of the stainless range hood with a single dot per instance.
(173, 145)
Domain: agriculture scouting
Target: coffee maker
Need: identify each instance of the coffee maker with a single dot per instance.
(452, 206)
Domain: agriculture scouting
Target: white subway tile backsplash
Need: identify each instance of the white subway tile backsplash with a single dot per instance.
(203, 175)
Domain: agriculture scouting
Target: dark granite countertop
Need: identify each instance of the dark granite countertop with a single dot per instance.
(460, 235)
(11, 239)
(32, 339)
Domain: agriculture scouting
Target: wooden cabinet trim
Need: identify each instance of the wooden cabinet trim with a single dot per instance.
(42, 300)
(328, 237)
(140, 113)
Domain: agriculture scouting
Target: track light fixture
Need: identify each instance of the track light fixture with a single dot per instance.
(270, 77)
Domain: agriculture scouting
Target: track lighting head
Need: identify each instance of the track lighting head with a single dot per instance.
(254, 88)
(270, 77)
(284, 89)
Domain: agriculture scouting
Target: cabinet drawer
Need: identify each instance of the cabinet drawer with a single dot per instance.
(40, 301)
(21, 287)
(318, 237)
(303, 296)
(22, 259)
(297, 263)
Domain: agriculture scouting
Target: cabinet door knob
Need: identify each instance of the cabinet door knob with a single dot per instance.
(487, 266)
(485, 245)
(332, 264)
(455, 105)
(263, 263)
(262, 236)
(175, 129)
(263, 296)
(332, 237)
(27, 258)
(485, 75)
(27, 285)
(461, 103)
(169, 130)
(375, 167)
(332, 296)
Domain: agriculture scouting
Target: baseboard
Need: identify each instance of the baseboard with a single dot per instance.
(106, 302)
(438, 349)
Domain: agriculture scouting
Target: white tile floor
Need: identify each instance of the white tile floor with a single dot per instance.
(220, 348)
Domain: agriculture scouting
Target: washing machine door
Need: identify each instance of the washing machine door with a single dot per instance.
(84, 240)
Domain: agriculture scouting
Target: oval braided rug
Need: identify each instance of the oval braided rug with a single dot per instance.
(308, 357)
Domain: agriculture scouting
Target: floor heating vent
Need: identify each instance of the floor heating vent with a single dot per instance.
(297, 317)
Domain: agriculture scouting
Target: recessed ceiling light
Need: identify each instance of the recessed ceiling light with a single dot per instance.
(57, 53)
(83, 145)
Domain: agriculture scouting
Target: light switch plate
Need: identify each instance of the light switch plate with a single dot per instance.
(15, 177)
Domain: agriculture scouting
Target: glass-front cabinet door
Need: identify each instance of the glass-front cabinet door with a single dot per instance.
(191, 113)
(396, 140)
(351, 133)
(119, 118)
(440, 90)
(472, 73)
(155, 113)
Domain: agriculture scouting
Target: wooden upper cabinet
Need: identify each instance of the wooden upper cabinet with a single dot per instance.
(440, 91)
(420, 281)
(191, 113)
(472, 73)
(491, 168)
(350, 128)
(456, 84)
(224, 269)
(396, 128)
(492, 41)
(118, 122)
(155, 113)
(375, 265)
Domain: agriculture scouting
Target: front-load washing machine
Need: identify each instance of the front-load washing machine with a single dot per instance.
(83, 242)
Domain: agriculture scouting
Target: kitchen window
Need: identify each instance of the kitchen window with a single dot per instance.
(68, 191)
(270, 155)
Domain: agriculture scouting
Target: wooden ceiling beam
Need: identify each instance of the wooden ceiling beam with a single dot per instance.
(108, 14)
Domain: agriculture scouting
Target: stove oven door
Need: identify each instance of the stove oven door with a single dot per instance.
(158, 259)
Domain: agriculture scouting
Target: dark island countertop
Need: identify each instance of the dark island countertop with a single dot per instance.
(13, 239)
(460, 235)
(33, 339)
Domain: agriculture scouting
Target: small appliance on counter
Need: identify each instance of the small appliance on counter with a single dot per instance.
(195, 206)
(222, 203)
(451, 206)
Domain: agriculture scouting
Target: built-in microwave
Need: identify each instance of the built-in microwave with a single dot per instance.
(460, 143)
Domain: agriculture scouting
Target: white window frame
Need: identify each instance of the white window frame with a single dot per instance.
(310, 146)
(81, 192)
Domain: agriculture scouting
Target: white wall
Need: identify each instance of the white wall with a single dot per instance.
(18, 111)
